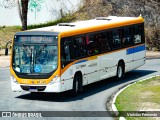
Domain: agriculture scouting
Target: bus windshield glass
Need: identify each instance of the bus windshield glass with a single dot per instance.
(35, 54)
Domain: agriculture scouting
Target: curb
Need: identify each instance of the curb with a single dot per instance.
(110, 103)
(5, 66)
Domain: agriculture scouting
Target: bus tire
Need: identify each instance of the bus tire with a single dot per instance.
(76, 85)
(120, 71)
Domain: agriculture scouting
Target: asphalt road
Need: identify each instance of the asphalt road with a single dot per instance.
(92, 99)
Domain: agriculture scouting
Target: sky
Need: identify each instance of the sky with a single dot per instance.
(39, 11)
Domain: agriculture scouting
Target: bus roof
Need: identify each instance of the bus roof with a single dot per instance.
(100, 23)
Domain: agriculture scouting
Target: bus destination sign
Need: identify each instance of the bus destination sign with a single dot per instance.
(36, 39)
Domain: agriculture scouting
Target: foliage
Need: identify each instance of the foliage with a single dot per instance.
(8, 4)
(6, 34)
(149, 9)
(67, 18)
(89, 9)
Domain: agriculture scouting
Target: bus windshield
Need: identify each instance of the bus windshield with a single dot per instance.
(34, 58)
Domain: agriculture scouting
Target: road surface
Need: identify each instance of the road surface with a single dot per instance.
(93, 98)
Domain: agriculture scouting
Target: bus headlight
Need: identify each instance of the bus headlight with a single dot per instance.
(13, 79)
(55, 79)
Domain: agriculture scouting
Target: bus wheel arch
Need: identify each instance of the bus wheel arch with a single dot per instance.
(120, 69)
(77, 83)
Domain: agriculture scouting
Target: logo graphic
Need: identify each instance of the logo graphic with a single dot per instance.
(35, 6)
(6, 114)
(38, 68)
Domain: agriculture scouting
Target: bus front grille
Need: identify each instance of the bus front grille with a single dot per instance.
(39, 88)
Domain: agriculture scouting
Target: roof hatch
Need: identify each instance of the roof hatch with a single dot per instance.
(65, 24)
(102, 18)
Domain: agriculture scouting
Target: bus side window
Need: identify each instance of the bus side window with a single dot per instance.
(80, 47)
(127, 37)
(104, 43)
(92, 46)
(138, 33)
(66, 54)
(116, 39)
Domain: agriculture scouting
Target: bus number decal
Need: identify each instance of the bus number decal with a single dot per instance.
(80, 66)
(24, 81)
(92, 65)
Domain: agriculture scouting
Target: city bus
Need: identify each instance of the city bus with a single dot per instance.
(67, 56)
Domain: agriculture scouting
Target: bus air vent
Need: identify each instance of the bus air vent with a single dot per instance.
(66, 24)
(102, 18)
(39, 88)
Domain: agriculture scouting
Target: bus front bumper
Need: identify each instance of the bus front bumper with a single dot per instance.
(55, 87)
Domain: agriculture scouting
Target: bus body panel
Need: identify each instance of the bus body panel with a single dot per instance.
(68, 79)
(108, 66)
(138, 53)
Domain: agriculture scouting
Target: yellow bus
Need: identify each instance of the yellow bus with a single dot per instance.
(68, 56)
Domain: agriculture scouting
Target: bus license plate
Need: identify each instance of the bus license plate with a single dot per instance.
(33, 90)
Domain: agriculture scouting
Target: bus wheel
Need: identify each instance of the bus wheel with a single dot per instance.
(120, 71)
(76, 85)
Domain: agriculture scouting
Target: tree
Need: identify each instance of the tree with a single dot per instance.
(8, 4)
(23, 11)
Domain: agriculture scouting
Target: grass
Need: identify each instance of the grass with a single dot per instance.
(143, 96)
(6, 34)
